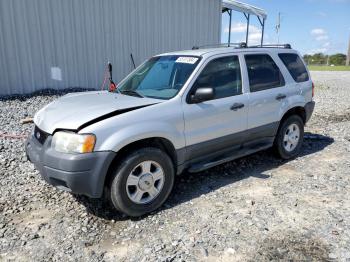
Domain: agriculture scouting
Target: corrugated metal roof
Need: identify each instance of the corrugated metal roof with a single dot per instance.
(244, 8)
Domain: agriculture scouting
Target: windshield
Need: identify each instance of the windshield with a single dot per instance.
(160, 77)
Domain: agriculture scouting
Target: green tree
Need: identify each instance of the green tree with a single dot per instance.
(319, 59)
(337, 59)
(322, 59)
(307, 58)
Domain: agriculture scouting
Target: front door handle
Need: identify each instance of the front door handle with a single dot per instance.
(237, 106)
(280, 96)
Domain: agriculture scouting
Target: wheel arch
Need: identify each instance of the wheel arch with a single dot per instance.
(157, 142)
(297, 110)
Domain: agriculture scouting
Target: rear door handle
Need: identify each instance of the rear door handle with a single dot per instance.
(280, 96)
(237, 106)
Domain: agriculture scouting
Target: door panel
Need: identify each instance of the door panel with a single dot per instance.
(264, 107)
(216, 124)
(213, 125)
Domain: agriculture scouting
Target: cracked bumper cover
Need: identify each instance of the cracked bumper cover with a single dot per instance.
(82, 174)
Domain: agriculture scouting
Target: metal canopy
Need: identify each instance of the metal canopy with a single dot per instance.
(244, 8)
(247, 10)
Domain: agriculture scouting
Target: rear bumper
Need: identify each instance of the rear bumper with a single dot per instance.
(309, 109)
(77, 173)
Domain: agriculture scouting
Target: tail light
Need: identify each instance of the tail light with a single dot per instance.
(313, 89)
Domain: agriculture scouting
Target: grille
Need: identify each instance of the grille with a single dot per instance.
(40, 135)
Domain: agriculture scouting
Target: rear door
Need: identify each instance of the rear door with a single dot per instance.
(220, 123)
(267, 94)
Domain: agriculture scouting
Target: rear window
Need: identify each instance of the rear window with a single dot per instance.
(295, 67)
(263, 72)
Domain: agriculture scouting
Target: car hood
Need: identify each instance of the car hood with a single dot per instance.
(74, 111)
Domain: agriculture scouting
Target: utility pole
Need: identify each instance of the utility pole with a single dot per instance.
(278, 27)
(348, 57)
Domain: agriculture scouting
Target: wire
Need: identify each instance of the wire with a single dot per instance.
(14, 136)
(105, 78)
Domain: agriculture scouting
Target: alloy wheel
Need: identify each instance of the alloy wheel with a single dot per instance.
(145, 182)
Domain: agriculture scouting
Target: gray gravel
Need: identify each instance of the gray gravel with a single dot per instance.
(255, 208)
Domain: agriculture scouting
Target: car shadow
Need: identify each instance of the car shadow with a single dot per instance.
(189, 186)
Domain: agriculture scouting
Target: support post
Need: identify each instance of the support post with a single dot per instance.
(348, 57)
(262, 32)
(229, 32)
(246, 38)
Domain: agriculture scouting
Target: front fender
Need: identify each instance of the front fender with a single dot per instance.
(132, 133)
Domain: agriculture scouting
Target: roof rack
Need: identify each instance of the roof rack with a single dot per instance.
(236, 45)
(243, 45)
(287, 46)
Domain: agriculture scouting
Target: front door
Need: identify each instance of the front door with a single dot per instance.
(219, 123)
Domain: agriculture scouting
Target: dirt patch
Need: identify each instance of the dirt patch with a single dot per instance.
(292, 247)
(114, 250)
(34, 219)
(13, 257)
(335, 118)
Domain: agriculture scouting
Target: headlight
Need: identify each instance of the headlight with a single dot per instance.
(68, 142)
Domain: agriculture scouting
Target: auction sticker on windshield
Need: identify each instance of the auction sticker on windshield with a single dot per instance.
(186, 60)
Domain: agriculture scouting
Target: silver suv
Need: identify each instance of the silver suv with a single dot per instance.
(188, 110)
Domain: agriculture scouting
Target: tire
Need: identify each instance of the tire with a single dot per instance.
(148, 172)
(288, 148)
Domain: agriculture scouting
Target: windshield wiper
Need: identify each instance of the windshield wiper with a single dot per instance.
(131, 92)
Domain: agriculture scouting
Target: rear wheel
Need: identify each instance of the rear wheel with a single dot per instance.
(142, 182)
(289, 138)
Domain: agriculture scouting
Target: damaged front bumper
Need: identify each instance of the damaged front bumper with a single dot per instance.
(77, 173)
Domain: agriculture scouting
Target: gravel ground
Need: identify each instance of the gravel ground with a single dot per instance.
(255, 208)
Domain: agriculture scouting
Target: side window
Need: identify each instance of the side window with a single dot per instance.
(263, 72)
(295, 67)
(224, 75)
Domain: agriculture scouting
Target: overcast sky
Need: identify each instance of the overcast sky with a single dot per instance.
(310, 26)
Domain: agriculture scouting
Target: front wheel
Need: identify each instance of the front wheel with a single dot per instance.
(289, 138)
(142, 182)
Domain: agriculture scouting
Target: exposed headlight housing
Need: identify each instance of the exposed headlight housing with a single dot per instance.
(69, 142)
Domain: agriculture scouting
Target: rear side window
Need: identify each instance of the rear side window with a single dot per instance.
(223, 75)
(263, 72)
(295, 67)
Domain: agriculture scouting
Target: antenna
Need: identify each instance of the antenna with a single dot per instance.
(278, 27)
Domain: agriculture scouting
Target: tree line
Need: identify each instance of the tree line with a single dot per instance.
(322, 59)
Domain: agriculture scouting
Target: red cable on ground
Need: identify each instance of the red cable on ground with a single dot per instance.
(10, 136)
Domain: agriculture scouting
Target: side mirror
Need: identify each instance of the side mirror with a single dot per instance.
(203, 94)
